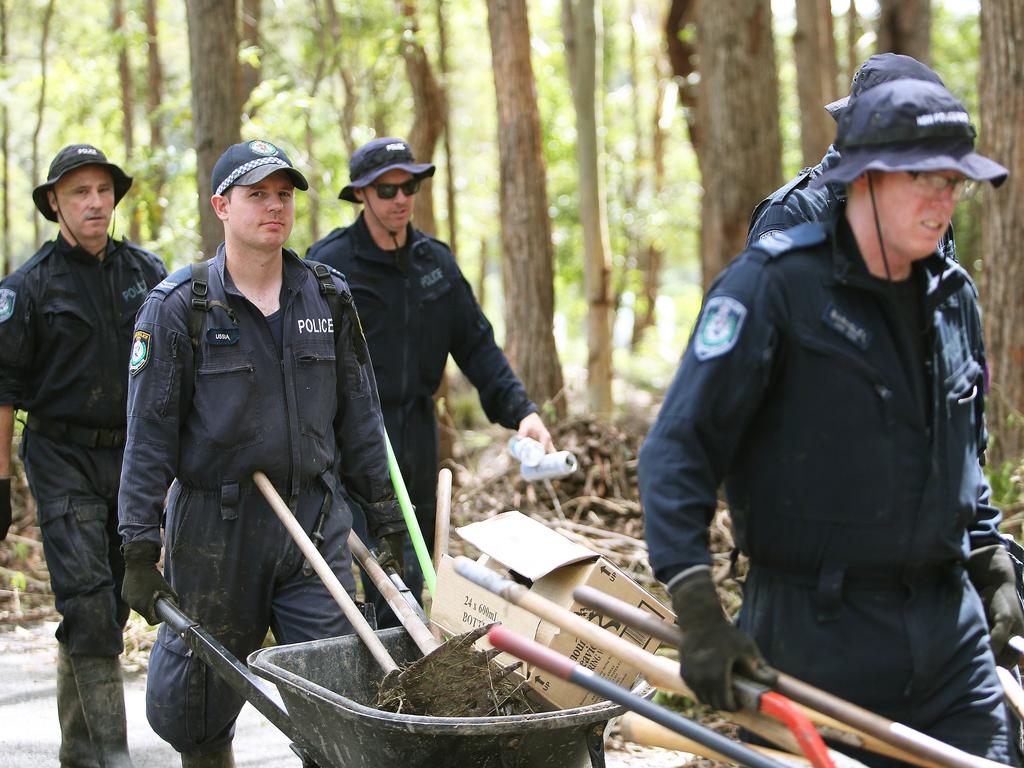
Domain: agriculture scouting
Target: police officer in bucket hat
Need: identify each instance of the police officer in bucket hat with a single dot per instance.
(835, 383)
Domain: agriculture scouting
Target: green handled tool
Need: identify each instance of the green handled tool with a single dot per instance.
(415, 535)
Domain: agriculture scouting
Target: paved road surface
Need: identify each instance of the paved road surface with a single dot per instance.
(29, 736)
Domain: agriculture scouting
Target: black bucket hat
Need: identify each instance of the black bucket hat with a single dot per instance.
(883, 68)
(71, 157)
(908, 125)
(248, 163)
(376, 158)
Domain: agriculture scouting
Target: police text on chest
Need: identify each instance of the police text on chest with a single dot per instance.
(316, 325)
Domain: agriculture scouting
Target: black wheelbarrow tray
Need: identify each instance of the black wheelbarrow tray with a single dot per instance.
(323, 703)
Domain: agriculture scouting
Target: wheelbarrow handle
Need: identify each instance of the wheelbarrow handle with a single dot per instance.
(323, 570)
(540, 656)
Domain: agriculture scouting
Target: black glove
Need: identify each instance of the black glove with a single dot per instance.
(712, 649)
(392, 552)
(143, 582)
(5, 507)
(992, 574)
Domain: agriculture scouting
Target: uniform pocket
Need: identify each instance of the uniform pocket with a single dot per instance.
(66, 322)
(316, 385)
(226, 401)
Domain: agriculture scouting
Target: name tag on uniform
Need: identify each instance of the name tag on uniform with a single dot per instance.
(835, 319)
(222, 336)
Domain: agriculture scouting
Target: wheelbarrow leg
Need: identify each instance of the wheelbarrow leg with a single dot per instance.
(595, 745)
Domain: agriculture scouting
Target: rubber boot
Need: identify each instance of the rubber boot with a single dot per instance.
(222, 758)
(75, 743)
(101, 689)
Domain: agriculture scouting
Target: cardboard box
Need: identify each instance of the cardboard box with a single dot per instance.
(552, 566)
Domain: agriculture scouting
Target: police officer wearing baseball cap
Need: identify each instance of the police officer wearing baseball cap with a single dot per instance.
(417, 308)
(835, 382)
(65, 331)
(253, 360)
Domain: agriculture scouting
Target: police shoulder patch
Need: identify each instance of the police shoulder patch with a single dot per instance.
(7, 297)
(720, 326)
(142, 346)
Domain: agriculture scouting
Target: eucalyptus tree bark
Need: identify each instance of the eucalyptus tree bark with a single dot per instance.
(44, 57)
(904, 26)
(154, 104)
(739, 106)
(249, 73)
(682, 55)
(580, 25)
(319, 72)
(816, 78)
(347, 113)
(527, 251)
(213, 47)
(444, 70)
(1002, 227)
(5, 144)
(428, 113)
(852, 56)
(124, 75)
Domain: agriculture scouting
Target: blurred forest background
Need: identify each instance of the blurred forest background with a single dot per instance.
(597, 160)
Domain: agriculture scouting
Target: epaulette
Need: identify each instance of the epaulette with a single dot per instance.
(312, 264)
(38, 257)
(330, 237)
(798, 181)
(775, 244)
(173, 280)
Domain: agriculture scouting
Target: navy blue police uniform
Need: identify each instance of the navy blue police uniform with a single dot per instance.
(292, 396)
(66, 321)
(853, 479)
(417, 308)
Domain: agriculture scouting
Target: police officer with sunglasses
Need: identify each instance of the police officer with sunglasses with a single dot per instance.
(416, 308)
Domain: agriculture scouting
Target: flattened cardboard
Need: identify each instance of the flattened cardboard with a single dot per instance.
(460, 605)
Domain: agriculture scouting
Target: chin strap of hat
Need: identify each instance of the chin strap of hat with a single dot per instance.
(878, 227)
(391, 232)
(70, 231)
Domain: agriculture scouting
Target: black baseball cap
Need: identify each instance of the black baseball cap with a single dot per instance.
(376, 158)
(908, 125)
(882, 68)
(71, 157)
(249, 162)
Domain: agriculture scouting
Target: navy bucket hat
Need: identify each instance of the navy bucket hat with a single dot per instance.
(883, 68)
(908, 125)
(68, 159)
(248, 163)
(376, 158)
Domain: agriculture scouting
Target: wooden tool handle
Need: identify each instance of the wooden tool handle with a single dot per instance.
(442, 522)
(323, 570)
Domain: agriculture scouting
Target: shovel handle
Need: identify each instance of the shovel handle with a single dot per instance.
(417, 629)
(442, 523)
(323, 570)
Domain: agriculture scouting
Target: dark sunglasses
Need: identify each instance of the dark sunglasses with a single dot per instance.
(388, 191)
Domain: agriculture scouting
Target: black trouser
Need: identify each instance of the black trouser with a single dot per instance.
(75, 489)
(916, 653)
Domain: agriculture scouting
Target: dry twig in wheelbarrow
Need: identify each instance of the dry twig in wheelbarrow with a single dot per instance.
(453, 679)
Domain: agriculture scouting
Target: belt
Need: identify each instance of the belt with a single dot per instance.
(72, 433)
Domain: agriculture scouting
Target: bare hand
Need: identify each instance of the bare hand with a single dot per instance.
(533, 426)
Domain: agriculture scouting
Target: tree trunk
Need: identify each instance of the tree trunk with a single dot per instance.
(37, 173)
(5, 141)
(852, 56)
(527, 251)
(347, 112)
(580, 27)
(904, 26)
(428, 114)
(817, 73)
(1002, 227)
(249, 69)
(445, 71)
(213, 46)
(742, 165)
(154, 101)
(319, 72)
(682, 55)
(124, 73)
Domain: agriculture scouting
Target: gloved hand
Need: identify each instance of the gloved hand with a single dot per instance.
(5, 507)
(392, 551)
(712, 648)
(143, 582)
(992, 573)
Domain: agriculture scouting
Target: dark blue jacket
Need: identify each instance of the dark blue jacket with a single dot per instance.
(414, 316)
(66, 323)
(792, 391)
(310, 414)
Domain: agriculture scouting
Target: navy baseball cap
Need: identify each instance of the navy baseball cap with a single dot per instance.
(250, 162)
(376, 158)
(71, 157)
(882, 68)
(908, 125)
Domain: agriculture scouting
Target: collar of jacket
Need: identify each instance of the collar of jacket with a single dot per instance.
(294, 271)
(78, 253)
(366, 248)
